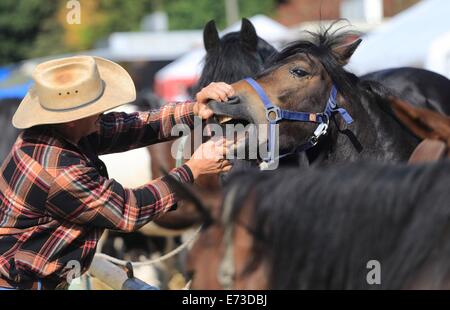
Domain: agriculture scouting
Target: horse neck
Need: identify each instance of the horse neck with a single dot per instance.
(380, 135)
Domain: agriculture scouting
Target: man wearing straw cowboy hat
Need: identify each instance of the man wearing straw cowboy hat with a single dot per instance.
(55, 195)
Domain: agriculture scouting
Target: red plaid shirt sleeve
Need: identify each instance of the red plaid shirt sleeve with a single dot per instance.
(81, 196)
(121, 132)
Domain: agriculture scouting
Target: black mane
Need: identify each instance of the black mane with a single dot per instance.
(319, 228)
(233, 61)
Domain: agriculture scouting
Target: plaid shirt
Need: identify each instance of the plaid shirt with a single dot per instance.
(56, 199)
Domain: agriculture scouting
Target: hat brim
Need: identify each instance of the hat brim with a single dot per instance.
(119, 89)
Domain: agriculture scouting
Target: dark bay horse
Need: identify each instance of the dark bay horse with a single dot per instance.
(309, 76)
(333, 228)
(228, 59)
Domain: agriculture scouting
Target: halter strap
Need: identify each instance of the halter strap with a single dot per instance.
(275, 114)
(331, 107)
(280, 113)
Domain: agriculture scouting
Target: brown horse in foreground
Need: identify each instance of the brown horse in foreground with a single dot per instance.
(352, 226)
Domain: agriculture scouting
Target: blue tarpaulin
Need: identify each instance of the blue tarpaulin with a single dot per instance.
(13, 83)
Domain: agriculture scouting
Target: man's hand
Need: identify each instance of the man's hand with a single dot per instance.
(209, 158)
(217, 91)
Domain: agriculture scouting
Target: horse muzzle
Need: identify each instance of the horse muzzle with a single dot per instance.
(234, 110)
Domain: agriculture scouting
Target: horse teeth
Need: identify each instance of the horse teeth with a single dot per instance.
(224, 119)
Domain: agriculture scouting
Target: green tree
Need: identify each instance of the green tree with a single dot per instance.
(194, 14)
(21, 24)
(35, 28)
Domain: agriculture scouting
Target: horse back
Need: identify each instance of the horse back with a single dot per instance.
(420, 87)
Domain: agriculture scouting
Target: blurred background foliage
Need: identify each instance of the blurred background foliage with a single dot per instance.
(34, 28)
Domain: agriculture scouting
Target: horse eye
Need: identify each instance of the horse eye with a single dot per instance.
(297, 72)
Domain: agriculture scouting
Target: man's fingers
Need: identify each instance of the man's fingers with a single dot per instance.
(223, 90)
(215, 96)
(226, 163)
(218, 91)
(227, 168)
(226, 87)
(222, 94)
(227, 90)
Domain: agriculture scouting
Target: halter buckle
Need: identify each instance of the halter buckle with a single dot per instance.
(320, 131)
(273, 114)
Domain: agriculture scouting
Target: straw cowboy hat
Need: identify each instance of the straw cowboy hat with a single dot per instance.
(73, 88)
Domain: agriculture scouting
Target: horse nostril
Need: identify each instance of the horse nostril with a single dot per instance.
(233, 100)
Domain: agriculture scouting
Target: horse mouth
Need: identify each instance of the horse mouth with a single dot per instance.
(228, 120)
(222, 119)
(231, 112)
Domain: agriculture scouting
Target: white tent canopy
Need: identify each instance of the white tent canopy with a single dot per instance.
(438, 59)
(405, 40)
(190, 65)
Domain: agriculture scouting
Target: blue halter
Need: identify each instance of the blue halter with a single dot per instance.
(274, 115)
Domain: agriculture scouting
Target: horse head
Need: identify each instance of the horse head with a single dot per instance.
(297, 87)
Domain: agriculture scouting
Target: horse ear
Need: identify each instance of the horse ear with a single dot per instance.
(346, 51)
(248, 35)
(211, 38)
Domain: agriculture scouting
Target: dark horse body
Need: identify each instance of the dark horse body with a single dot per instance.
(419, 87)
(328, 228)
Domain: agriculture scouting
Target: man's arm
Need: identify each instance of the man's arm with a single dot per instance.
(121, 132)
(80, 195)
